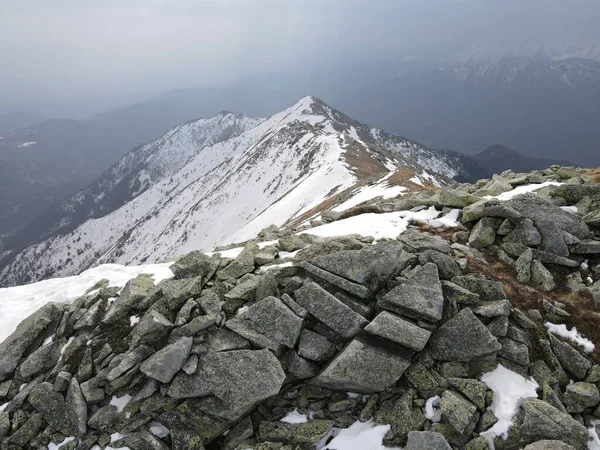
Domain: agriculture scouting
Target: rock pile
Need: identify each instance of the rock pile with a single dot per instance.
(341, 331)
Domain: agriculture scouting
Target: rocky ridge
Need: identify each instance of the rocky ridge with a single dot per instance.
(217, 356)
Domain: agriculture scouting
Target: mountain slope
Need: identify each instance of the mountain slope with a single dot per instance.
(226, 191)
(499, 158)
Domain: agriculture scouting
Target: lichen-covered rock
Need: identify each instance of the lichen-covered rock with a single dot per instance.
(549, 445)
(474, 390)
(51, 406)
(164, 364)
(392, 327)
(457, 199)
(524, 233)
(483, 233)
(541, 277)
(426, 440)
(523, 266)
(538, 421)
(329, 310)
(315, 347)
(364, 367)
(571, 359)
(76, 409)
(419, 297)
(43, 359)
(419, 242)
(295, 433)
(579, 396)
(195, 264)
(463, 338)
(486, 289)
(239, 378)
(28, 331)
(457, 410)
(494, 308)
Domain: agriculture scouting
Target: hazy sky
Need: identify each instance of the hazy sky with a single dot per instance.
(75, 57)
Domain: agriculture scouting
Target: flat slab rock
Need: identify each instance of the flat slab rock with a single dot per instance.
(364, 367)
(396, 329)
(329, 310)
(239, 378)
(463, 338)
(420, 297)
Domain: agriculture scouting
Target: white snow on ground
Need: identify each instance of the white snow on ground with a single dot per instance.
(53, 446)
(417, 180)
(360, 436)
(120, 402)
(572, 335)
(594, 442)
(432, 409)
(449, 220)
(510, 389)
(231, 253)
(571, 209)
(17, 303)
(523, 190)
(133, 320)
(275, 266)
(158, 429)
(380, 188)
(294, 417)
(387, 225)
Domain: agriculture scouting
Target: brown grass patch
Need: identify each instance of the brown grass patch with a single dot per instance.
(443, 232)
(595, 174)
(580, 305)
(362, 164)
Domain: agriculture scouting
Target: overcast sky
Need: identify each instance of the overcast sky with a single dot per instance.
(74, 57)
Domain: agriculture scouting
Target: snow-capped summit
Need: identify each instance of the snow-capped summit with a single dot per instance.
(220, 180)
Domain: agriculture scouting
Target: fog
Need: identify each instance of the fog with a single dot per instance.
(70, 58)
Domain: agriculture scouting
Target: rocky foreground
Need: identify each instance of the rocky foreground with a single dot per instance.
(335, 331)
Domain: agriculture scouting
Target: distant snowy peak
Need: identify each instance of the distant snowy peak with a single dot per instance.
(224, 179)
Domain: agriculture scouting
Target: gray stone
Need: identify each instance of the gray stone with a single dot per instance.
(164, 364)
(267, 286)
(552, 238)
(210, 304)
(371, 267)
(315, 347)
(523, 266)
(184, 313)
(494, 308)
(92, 392)
(457, 199)
(152, 329)
(220, 340)
(51, 406)
(192, 328)
(571, 359)
(457, 410)
(239, 379)
(579, 396)
(295, 433)
(27, 332)
(245, 289)
(191, 365)
(241, 265)
(498, 326)
(132, 358)
(549, 445)
(363, 367)
(592, 219)
(298, 366)
(390, 326)
(140, 440)
(525, 233)
(133, 293)
(195, 264)
(76, 409)
(353, 288)
(329, 310)
(458, 294)
(42, 360)
(421, 241)
(474, 390)
(240, 432)
(61, 384)
(419, 297)
(536, 208)
(4, 425)
(274, 320)
(25, 435)
(263, 258)
(539, 420)
(291, 303)
(586, 248)
(103, 418)
(92, 316)
(463, 338)
(486, 289)
(483, 233)
(541, 277)
(514, 351)
(448, 268)
(426, 440)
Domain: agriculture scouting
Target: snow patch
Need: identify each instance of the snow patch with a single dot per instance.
(133, 320)
(510, 389)
(21, 301)
(449, 220)
(53, 446)
(572, 335)
(360, 436)
(432, 409)
(158, 429)
(571, 209)
(294, 417)
(120, 402)
(380, 188)
(522, 190)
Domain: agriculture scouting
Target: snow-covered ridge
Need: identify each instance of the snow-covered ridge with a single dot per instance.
(220, 180)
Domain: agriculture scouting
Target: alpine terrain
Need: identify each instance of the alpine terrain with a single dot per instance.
(220, 180)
